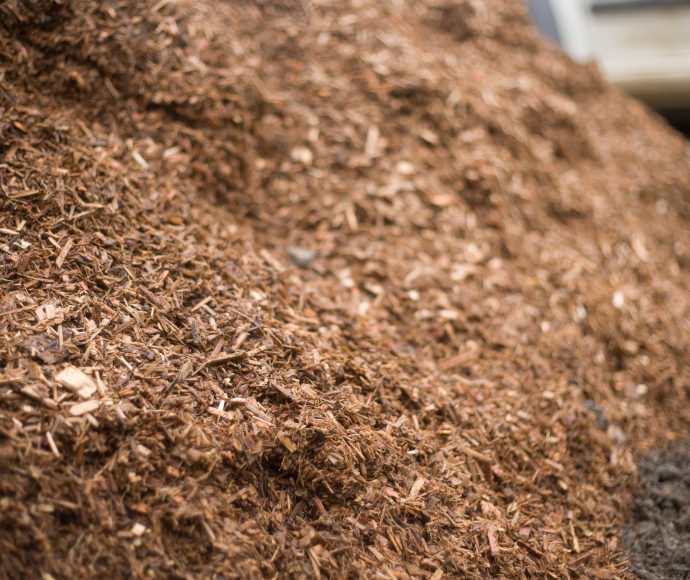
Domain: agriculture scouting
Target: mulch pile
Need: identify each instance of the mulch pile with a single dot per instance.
(311, 288)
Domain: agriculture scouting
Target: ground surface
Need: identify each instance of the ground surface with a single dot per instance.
(328, 289)
(659, 539)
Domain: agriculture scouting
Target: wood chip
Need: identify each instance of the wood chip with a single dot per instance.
(84, 407)
(493, 540)
(416, 488)
(77, 381)
(51, 444)
(63, 253)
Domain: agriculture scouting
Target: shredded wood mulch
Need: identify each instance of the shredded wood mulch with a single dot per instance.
(327, 289)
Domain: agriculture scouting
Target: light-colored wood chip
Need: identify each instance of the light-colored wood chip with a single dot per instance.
(63, 253)
(84, 407)
(77, 381)
(493, 540)
(416, 488)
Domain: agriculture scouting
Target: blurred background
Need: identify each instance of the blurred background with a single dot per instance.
(643, 46)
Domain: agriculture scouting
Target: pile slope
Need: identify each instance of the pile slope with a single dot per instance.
(489, 326)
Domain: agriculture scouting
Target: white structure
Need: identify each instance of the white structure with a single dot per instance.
(641, 45)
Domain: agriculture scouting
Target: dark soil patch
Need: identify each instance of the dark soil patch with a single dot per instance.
(659, 538)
